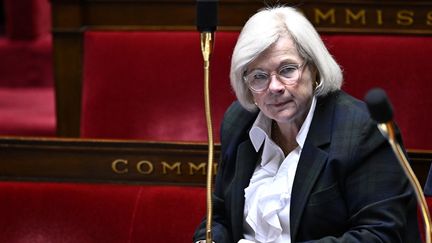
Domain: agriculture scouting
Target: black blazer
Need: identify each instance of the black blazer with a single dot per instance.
(348, 186)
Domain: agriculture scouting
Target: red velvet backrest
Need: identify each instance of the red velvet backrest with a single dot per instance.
(27, 19)
(87, 213)
(400, 65)
(149, 85)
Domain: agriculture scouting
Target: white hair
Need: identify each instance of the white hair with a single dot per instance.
(264, 29)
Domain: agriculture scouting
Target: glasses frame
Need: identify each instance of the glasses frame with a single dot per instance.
(300, 68)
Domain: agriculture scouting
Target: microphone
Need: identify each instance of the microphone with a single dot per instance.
(379, 106)
(207, 11)
(381, 111)
(206, 21)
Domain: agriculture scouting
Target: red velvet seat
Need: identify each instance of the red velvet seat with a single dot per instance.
(27, 19)
(149, 85)
(26, 63)
(27, 111)
(26, 48)
(400, 65)
(87, 213)
(27, 106)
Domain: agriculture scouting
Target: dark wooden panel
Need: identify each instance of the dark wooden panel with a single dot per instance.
(328, 16)
(420, 163)
(121, 161)
(102, 160)
(68, 87)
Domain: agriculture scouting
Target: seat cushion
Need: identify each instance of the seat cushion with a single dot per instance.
(27, 112)
(111, 213)
(26, 63)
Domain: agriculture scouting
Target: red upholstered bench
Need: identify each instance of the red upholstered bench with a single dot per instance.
(148, 84)
(27, 105)
(27, 111)
(86, 213)
(27, 19)
(399, 64)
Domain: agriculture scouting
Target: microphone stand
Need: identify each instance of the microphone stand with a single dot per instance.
(387, 129)
(207, 40)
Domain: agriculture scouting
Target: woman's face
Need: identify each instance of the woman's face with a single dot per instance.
(282, 102)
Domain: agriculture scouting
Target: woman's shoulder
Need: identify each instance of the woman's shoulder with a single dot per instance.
(236, 123)
(344, 113)
(348, 105)
(236, 116)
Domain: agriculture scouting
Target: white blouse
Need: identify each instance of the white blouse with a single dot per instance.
(268, 196)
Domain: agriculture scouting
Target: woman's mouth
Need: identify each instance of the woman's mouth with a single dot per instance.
(280, 104)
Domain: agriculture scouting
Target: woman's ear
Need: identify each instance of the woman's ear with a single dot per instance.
(315, 77)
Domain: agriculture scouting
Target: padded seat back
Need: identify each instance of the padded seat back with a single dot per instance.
(149, 85)
(401, 66)
(27, 19)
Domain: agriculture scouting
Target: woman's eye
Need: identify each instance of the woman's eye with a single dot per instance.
(260, 76)
(287, 71)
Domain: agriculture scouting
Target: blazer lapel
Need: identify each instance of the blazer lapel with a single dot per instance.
(308, 170)
(312, 159)
(247, 159)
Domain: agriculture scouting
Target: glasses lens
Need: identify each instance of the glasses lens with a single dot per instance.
(257, 80)
(289, 74)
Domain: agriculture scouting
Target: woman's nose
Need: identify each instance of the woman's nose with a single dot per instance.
(275, 85)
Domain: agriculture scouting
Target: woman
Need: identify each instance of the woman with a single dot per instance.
(301, 160)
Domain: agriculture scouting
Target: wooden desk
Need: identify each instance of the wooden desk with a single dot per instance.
(52, 159)
(102, 161)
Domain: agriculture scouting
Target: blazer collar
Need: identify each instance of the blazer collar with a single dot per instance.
(321, 127)
(312, 159)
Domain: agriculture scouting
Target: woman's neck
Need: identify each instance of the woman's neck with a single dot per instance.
(285, 137)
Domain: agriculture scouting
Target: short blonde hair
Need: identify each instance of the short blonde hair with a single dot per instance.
(262, 30)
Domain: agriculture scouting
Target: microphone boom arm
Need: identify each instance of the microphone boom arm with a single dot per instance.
(387, 129)
(207, 40)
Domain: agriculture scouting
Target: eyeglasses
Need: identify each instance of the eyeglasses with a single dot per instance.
(259, 80)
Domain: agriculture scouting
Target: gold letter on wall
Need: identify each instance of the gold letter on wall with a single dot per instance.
(148, 164)
(115, 166)
(175, 166)
(405, 17)
(350, 15)
(193, 168)
(320, 15)
(429, 18)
